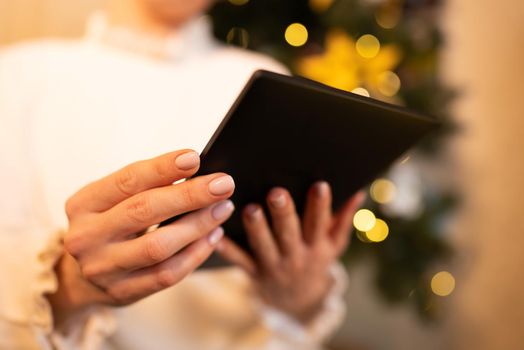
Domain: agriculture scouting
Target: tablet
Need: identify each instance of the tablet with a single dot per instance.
(290, 132)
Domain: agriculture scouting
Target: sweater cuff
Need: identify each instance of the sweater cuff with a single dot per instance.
(32, 277)
(87, 329)
(323, 325)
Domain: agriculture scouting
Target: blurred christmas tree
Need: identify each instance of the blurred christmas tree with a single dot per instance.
(386, 49)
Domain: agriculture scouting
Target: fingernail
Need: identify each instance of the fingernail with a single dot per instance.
(278, 199)
(222, 210)
(252, 211)
(222, 185)
(322, 188)
(187, 160)
(215, 236)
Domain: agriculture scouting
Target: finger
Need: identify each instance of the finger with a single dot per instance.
(231, 252)
(134, 178)
(260, 237)
(152, 279)
(317, 214)
(158, 204)
(159, 245)
(285, 220)
(341, 229)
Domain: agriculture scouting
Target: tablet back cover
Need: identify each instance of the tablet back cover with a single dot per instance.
(290, 132)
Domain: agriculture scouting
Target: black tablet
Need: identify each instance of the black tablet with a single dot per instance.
(290, 132)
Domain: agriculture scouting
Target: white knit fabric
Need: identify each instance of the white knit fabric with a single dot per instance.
(72, 112)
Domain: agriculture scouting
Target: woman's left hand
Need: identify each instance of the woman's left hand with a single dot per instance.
(292, 256)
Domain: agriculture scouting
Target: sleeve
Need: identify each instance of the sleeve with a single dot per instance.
(289, 333)
(29, 244)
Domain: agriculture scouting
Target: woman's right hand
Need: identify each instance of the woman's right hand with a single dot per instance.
(107, 260)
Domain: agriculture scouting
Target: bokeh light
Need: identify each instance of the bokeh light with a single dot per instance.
(364, 220)
(360, 91)
(368, 46)
(388, 83)
(379, 232)
(443, 283)
(382, 191)
(320, 5)
(388, 16)
(238, 36)
(296, 34)
(238, 2)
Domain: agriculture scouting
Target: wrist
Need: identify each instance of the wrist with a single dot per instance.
(308, 312)
(73, 295)
(300, 305)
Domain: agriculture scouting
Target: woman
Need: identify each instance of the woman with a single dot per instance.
(147, 80)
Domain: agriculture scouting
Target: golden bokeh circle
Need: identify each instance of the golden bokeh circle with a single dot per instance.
(368, 46)
(382, 191)
(296, 34)
(443, 283)
(379, 232)
(364, 220)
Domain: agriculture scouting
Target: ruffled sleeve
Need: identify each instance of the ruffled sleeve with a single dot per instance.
(26, 319)
(289, 332)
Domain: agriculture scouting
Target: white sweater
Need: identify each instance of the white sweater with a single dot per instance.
(72, 112)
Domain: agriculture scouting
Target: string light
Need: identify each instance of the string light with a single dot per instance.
(379, 232)
(360, 91)
(443, 283)
(238, 36)
(364, 220)
(320, 5)
(368, 46)
(382, 191)
(388, 83)
(238, 2)
(296, 34)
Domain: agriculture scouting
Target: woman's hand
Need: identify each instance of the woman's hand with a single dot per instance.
(108, 257)
(290, 267)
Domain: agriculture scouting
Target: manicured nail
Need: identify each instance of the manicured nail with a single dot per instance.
(322, 188)
(222, 210)
(278, 199)
(215, 236)
(187, 160)
(222, 185)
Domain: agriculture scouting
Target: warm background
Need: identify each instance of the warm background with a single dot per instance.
(484, 59)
